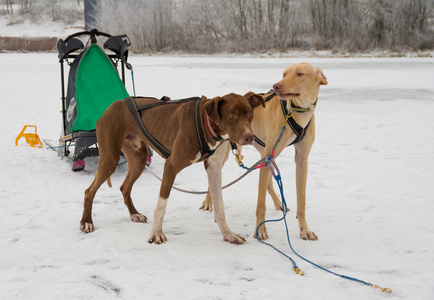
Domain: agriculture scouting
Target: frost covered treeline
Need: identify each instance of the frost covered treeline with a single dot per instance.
(67, 11)
(208, 26)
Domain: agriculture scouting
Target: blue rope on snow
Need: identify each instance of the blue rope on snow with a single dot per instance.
(278, 179)
(294, 264)
(269, 162)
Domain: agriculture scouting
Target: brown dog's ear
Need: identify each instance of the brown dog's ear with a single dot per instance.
(254, 99)
(212, 108)
(249, 94)
(322, 78)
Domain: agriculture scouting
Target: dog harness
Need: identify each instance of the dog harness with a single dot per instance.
(205, 150)
(296, 128)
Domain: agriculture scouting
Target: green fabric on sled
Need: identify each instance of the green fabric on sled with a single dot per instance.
(98, 85)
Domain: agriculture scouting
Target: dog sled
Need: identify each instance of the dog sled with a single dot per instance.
(93, 84)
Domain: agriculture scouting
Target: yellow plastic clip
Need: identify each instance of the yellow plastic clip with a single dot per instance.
(31, 138)
(238, 157)
(286, 119)
(297, 271)
(387, 290)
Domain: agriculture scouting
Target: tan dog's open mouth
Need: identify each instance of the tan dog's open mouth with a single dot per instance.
(290, 95)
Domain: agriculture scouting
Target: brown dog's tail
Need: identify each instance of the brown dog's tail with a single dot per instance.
(109, 182)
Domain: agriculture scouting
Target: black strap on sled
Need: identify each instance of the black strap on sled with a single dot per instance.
(296, 128)
(205, 151)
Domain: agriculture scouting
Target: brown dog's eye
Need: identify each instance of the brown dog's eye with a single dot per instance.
(250, 115)
(231, 116)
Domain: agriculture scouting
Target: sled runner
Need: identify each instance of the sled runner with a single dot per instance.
(93, 84)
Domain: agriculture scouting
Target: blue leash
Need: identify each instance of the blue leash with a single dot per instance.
(296, 269)
(56, 147)
(269, 162)
(132, 78)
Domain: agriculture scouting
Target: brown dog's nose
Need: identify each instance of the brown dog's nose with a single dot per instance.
(277, 87)
(248, 138)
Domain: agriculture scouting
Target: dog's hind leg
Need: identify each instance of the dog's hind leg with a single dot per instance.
(207, 203)
(136, 153)
(272, 192)
(110, 143)
(264, 179)
(106, 168)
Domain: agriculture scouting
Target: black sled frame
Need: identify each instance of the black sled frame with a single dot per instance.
(85, 143)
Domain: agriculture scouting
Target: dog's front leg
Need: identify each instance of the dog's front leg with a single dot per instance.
(265, 183)
(207, 203)
(213, 168)
(157, 236)
(302, 151)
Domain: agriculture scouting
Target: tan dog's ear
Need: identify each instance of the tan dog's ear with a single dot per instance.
(212, 108)
(322, 78)
(254, 99)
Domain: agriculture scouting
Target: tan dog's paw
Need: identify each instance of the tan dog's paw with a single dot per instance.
(139, 218)
(206, 205)
(234, 238)
(306, 234)
(157, 238)
(280, 207)
(262, 233)
(87, 227)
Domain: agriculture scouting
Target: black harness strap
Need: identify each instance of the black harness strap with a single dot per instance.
(205, 150)
(166, 100)
(270, 96)
(132, 106)
(296, 128)
(259, 142)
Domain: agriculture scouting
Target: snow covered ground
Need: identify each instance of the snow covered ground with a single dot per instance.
(370, 192)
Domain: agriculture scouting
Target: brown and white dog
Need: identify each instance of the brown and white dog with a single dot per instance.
(174, 126)
(299, 87)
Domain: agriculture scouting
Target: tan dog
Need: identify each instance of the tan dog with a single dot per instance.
(175, 127)
(299, 87)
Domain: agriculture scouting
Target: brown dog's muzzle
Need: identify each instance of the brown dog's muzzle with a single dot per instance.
(248, 139)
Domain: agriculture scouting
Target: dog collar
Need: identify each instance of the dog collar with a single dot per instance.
(210, 129)
(301, 109)
(293, 107)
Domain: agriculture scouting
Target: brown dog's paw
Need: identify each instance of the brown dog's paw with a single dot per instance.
(139, 218)
(87, 227)
(234, 238)
(306, 234)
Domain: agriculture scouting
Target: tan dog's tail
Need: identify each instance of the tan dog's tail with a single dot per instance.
(109, 182)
